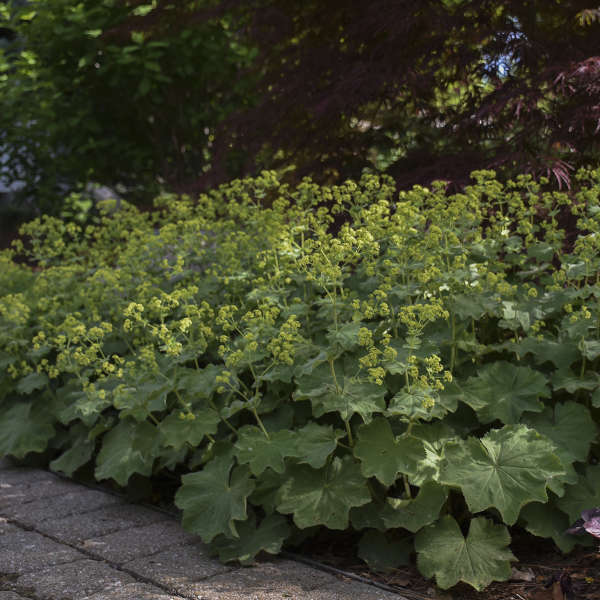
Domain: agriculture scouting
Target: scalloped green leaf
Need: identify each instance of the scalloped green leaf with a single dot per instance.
(80, 451)
(315, 443)
(383, 554)
(563, 353)
(505, 469)
(324, 496)
(480, 558)
(128, 448)
(585, 494)
(569, 425)
(260, 453)
(546, 521)
(142, 397)
(31, 382)
(413, 514)
(198, 383)
(503, 391)
(368, 516)
(565, 379)
(177, 432)
(434, 437)
(215, 497)
(340, 393)
(345, 336)
(24, 427)
(382, 455)
(421, 404)
(267, 537)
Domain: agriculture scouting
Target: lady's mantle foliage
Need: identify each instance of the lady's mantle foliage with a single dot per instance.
(427, 375)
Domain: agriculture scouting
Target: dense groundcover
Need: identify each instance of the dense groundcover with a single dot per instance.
(418, 367)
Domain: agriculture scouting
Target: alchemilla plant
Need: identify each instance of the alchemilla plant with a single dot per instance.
(416, 367)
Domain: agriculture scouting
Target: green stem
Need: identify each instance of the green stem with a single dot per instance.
(453, 351)
(349, 432)
(214, 407)
(260, 423)
(406, 487)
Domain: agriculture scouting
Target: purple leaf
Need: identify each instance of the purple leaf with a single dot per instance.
(589, 523)
(592, 521)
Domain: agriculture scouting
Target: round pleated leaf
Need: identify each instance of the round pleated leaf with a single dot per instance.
(503, 391)
(384, 456)
(324, 496)
(505, 469)
(480, 558)
(214, 498)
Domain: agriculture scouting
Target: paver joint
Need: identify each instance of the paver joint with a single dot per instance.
(62, 541)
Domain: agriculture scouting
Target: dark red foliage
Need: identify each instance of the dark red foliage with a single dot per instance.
(342, 81)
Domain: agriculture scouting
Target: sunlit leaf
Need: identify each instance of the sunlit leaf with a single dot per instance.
(505, 469)
(480, 558)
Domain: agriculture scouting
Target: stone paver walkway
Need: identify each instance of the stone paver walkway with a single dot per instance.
(62, 541)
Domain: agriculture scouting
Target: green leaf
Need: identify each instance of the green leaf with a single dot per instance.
(78, 454)
(434, 437)
(143, 9)
(506, 469)
(570, 426)
(93, 33)
(24, 427)
(384, 456)
(145, 396)
(267, 537)
(546, 521)
(583, 495)
(261, 453)
(503, 391)
(369, 516)
(590, 349)
(32, 382)
(212, 499)
(324, 496)
(567, 380)
(127, 449)
(413, 514)
(478, 559)
(177, 432)
(563, 353)
(381, 554)
(342, 394)
(420, 404)
(596, 398)
(346, 335)
(198, 383)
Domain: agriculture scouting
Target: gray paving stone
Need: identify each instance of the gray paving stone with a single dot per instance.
(81, 501)
(135, 591)
(26, 551)
(177, 568)
(6, 527)
(123, 546)
(265, 581)
(11, 494)
(27, 476)
(110, 519)
(10, 596)
(354, 590)
(279, 580)
(74, 581)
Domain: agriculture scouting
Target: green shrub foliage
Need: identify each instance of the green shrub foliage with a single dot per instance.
(418, 367)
